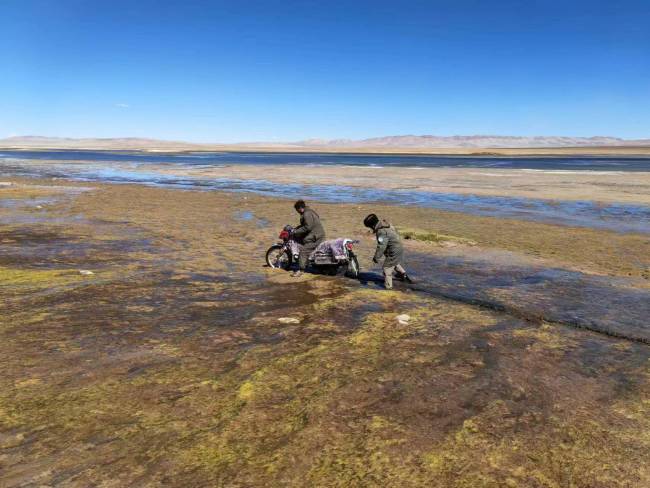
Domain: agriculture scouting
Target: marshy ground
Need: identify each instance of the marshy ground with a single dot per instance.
(525, 361)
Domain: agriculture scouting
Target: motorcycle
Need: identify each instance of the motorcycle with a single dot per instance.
(330, 256)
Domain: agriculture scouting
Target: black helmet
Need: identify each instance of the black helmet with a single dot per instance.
(371, 221)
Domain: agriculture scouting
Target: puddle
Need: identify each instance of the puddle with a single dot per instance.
(32, 210)
(49, 248)
(248, 216)
(25, 219)
(22, 203)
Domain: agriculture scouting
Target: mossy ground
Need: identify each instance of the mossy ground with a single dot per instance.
(434, 237)
(169, 366)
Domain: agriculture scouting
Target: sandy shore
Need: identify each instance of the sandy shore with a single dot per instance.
(524, 363)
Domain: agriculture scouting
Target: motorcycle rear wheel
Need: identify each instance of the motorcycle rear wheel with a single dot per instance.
(278, 257)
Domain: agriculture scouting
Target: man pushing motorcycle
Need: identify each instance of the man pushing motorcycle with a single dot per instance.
(310, 233)
(389, 244)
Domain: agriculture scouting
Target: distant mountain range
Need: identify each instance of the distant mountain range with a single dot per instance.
(135, 143)
(477, 141)
(423, 143)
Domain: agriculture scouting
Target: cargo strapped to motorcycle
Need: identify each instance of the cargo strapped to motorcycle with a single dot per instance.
(331, 251)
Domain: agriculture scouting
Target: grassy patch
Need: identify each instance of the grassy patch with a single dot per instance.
(434, 237)
(35, 278)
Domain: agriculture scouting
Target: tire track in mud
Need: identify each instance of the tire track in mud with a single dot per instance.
(608, 306)
(530, 316)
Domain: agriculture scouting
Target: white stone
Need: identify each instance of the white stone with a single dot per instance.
(86, 272)
(403, 319)
(288, 320)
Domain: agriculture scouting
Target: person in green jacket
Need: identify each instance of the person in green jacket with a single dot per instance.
(310, 233)
(389, 244)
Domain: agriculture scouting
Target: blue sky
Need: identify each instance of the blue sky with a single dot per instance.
(287, 70)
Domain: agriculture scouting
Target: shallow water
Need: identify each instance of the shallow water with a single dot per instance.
(12, 203)
(210, 159)
(607, 305)
(616, 217)
(248, 216)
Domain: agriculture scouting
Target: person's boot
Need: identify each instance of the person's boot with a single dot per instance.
(403, 277)
(388, 280)
(296, 274)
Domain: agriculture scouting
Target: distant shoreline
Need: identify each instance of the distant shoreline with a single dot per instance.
(602, 151)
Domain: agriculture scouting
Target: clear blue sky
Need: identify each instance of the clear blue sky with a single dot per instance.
(288, 70)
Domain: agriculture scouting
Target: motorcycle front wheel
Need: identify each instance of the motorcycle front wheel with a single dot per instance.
(278, 257)
(353, 267)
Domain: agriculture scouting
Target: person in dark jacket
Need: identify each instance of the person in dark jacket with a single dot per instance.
(309, 233)
(389, 244)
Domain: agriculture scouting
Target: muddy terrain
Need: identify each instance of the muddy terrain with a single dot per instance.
(144, 343)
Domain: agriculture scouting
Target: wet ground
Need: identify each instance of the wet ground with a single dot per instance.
(534, 196)
(601, 304)
(169, 366)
